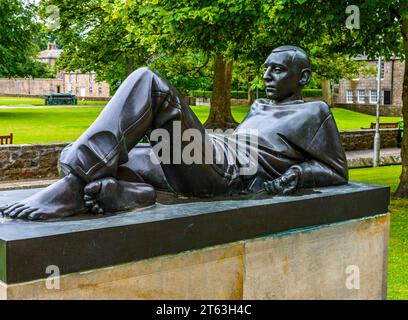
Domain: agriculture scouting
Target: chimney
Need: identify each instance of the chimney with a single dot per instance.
(52, 45)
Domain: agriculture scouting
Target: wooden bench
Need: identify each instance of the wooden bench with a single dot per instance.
(384, 125)
(6, 139)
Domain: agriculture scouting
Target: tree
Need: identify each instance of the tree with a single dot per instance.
(93, 42)
(18, 32)
(215, 28)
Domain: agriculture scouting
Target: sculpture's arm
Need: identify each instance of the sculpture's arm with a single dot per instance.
(308, 174)
(327, 164)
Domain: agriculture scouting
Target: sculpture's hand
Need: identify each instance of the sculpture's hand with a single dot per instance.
(285, 184)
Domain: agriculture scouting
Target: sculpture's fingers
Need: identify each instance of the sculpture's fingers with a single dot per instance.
(268, 187)
(88, 197)
(289, 190)
(95, 208)
(89, 204)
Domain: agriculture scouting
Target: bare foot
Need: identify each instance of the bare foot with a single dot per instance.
(62, 199)
(111, 195)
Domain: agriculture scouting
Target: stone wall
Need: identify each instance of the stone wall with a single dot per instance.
(387, 111)
(30, 87)
(34, 161)
(364, 139)
(81, 84)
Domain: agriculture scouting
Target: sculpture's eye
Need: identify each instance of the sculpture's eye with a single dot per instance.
(277, 70)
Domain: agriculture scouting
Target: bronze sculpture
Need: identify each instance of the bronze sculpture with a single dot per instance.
(105, 170)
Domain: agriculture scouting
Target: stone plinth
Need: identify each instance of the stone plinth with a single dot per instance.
(273, 248)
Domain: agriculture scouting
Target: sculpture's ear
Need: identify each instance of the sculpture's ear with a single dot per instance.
(305, 77)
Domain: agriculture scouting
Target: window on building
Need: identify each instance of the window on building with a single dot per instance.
(361, 96)
(382, 69)
(90, 77)
(77, 91)
(387, 97)
(90, 90)
(69, 88)
(373, 96)
(71, 77)
(349, 96)
(100, 91)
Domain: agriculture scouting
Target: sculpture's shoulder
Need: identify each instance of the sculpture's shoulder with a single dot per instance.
(317, 108)
(259, 104)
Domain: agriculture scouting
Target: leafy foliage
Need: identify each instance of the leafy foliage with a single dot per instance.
(18, 49)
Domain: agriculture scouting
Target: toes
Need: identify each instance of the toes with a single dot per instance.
(93, 188)
(36, 215)
(17, 211)
(11, 208)
(23, 214)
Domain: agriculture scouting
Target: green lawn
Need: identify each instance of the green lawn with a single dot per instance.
(350, 120)
(62, 124)
(398, 255)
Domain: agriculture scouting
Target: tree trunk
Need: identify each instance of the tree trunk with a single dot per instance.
(251, 95)
(220, 112)
(129, 65)
(402, 190)
(326, 90)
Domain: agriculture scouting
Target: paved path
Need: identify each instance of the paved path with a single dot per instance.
(364, 158)
(355, 159)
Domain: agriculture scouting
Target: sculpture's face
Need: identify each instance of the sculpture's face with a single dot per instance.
(281, 75)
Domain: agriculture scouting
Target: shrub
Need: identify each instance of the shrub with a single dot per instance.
(312, 93)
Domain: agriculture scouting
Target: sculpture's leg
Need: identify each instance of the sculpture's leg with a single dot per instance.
(143, 103)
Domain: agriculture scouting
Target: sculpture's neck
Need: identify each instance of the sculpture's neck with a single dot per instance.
(294, 98)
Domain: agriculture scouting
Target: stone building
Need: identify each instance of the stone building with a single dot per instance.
(51, 55)
(360, 94)
(83, 85)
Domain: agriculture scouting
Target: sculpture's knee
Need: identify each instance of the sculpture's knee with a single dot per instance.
(142, 72)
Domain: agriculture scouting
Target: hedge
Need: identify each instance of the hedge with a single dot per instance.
(244, 94)
(312, 93)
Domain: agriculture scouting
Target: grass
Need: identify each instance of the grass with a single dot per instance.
(398, 254)
(350, 120)
(64, 124)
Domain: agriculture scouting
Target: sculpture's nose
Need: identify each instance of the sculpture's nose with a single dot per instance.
(268, 75)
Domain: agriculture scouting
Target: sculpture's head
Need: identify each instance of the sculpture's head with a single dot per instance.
(287, 70)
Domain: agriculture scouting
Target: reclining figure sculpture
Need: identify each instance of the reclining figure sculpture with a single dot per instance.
(106, 170)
